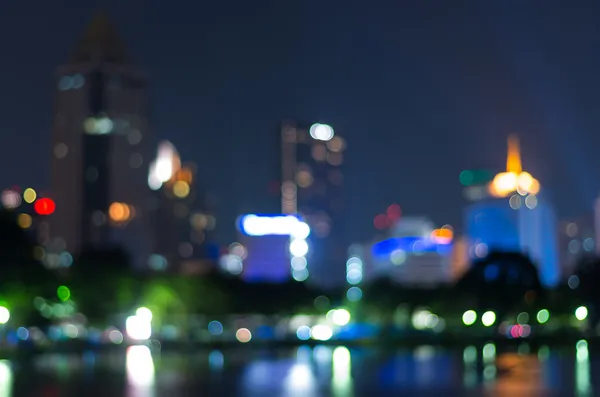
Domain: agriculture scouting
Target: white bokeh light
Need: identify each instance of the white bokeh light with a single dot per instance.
(321, 132)
(283, 225)
(299, 248)
(138, 328)
(167, 163)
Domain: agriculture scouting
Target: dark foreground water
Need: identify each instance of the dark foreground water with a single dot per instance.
(307, 372)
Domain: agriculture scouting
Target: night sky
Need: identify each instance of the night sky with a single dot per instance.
(419, 91)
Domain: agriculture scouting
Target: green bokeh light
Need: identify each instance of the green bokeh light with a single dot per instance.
(63, 293)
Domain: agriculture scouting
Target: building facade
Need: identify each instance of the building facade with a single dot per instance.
(101, 148)
(182, 218)
(312, 156)
(507, 226)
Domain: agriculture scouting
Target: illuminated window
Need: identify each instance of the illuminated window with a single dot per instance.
(78, 81)
(572, 229)
(98, 126)
(319, 152)
(336, 144)
(61, 150)
(134, 137)
(71, 82)
(65, 83)
(304, 178)
(574, 246)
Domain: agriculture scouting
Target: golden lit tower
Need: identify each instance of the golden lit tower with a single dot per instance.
(517, 218)
(513, 161)
(514, 179)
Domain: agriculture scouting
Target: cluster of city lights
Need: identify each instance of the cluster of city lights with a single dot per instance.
(298, 250)
(391, 216)
(139, 326)
(280, 225)
(98, 125)
(323, 330)
(354, 270)
(162, 169)
(11, 199)
(167, 170)
(515, 180)
(423, 319)
(233, 261)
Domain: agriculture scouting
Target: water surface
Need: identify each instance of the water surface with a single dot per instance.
(306, 372)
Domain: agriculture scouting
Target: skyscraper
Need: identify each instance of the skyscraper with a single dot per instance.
(516, 217)
(312, 179)
(182, 219)
(101, 148)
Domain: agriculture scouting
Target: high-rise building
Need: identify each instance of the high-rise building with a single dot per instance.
(311, 187)
(101, 148)
(515, 218)
(182, 219)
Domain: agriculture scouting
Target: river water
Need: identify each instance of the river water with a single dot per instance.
(307, 372)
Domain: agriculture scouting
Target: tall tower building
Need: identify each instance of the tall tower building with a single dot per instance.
(311, 159)
(183, 222)
(101, 148)
(516, 217)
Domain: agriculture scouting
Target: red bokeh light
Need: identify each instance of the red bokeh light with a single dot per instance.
(394, 212)
(44, 206)
(381, 222)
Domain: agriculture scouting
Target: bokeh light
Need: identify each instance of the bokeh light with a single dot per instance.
(181, 189)
(44, 206)
(25, 221)
(29, 195)
(543, 316)
(4, 315)
(469, 317)
(321, 132)
(243, 335)
(488, 318)
(10, 199)
(63, 293)
(341, 317)
(120, 212)
(581, 313)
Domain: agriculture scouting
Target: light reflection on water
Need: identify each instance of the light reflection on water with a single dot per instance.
(341, 381)
(309, 372)
(139, 366)
(6, 379)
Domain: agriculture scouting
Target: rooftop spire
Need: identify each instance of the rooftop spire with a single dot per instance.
(513, 161)
(100, 43)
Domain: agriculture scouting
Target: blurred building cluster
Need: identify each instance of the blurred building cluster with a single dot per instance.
(114, 185)
(107, 191)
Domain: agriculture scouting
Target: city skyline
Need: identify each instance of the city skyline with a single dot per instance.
(214, 126)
